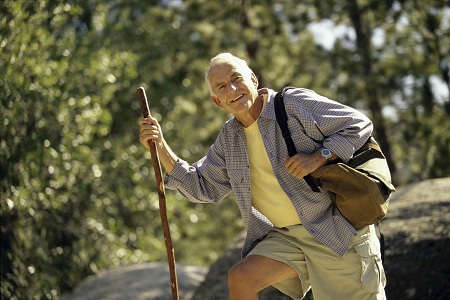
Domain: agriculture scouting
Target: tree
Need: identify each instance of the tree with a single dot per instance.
(385, 55)
(53, 136)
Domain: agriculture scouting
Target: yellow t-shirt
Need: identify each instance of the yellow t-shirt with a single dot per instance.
(267, 195)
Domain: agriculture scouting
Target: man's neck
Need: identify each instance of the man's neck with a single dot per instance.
(254, 112)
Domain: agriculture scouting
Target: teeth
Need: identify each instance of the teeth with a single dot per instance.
(237, 98)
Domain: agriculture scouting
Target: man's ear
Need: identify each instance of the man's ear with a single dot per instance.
(254, 80)
(216, 101)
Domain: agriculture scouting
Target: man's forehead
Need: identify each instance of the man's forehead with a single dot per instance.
(225, 69)
(224, 66)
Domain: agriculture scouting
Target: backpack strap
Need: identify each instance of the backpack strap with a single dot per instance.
(371, 143)
(280, 112)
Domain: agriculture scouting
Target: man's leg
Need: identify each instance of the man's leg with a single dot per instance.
(253, 274)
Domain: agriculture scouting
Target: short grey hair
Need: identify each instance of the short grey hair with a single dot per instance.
(225, 58)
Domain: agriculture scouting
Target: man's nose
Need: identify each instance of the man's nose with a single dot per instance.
(232, 87)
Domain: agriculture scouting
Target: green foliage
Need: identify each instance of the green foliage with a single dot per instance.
(55, 95)
(77, 189)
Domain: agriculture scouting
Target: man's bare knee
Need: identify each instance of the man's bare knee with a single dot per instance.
(241, 276)
(240, 283)
(250, 274)
(238, 274)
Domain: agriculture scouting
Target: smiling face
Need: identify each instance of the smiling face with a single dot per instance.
(234, 88)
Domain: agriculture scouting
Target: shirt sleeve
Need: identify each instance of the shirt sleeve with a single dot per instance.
(204, 181)
(344, 128)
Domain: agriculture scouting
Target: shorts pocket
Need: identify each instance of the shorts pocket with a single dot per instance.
(372, 272)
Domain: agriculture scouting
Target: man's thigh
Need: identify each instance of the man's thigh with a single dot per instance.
(261, 272)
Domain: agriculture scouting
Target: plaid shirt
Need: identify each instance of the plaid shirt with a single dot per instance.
(314, 121)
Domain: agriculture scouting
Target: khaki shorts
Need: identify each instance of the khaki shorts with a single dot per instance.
(358, 275)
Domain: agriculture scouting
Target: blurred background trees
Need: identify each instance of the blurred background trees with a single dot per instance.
(77, 190)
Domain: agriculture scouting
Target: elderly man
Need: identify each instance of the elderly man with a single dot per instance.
(296, 239)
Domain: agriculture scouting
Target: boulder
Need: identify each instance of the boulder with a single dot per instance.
(138, 282)
(417, 230)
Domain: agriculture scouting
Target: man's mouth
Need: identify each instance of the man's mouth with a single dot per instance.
(237, 98)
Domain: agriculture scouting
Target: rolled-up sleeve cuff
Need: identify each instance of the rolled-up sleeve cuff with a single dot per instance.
(179, 170)
(343, 147)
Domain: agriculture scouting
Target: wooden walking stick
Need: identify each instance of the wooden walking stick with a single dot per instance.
(162, 198)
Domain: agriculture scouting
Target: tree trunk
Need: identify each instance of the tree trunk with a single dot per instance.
(251, 45)
(371, 82)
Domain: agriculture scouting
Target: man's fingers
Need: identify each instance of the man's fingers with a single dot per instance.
(291, 164)
(295, 166)
(148, 120)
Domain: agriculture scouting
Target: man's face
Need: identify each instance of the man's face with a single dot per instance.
(234, 87)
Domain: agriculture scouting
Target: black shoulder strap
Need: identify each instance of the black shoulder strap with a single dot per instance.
(280, 112)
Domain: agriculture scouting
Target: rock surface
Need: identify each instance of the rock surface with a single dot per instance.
(417, 232)
(138, 282)
(417, 264)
